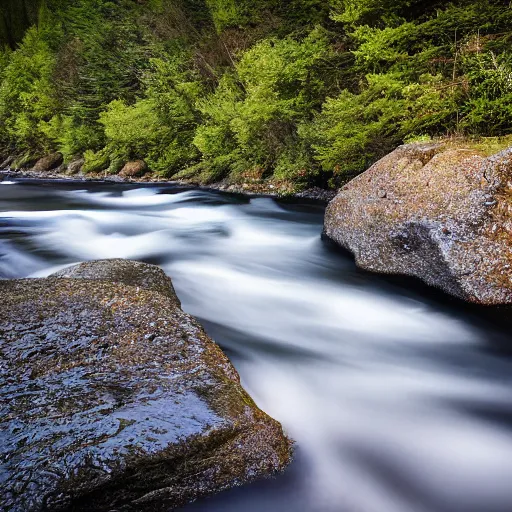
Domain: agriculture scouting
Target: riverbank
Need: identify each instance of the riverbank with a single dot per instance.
(259, 189)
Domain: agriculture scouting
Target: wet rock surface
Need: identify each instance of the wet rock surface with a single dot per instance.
(433, 211)
(112, 398)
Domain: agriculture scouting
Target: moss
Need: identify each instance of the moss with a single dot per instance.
(485, 146)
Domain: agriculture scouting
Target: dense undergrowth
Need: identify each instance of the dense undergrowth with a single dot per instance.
(307, 92)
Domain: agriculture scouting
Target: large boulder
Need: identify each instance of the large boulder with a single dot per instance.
(134, 169)
(75, 167)
(49, 162)
(114, 399)
(439, 212)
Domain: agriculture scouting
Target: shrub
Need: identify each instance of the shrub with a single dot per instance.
(27, 95)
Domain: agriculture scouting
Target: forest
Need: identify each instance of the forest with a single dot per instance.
(300, 92)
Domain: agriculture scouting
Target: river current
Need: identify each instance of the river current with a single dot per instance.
(398, 397)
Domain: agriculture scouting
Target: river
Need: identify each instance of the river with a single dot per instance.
(398, 397)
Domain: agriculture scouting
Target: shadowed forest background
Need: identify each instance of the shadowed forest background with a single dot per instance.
(307, 92)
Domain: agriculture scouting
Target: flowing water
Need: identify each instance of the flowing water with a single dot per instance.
(399, 399)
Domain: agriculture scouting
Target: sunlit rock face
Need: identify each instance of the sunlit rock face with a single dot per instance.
(115, 399)
(439, 212)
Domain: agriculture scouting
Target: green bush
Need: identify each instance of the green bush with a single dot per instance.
(305, 91)
(253, 115)
(70, 136)
(95, 162)
(27, 95)
(355, 129)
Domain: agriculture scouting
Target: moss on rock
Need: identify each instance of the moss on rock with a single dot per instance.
(440, 212)
(115, 399)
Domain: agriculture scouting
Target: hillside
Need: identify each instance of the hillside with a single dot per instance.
(300, 92)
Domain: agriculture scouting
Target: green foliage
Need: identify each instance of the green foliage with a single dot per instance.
(304, 91)
(27, 95)
(378, 12)
(354, 129)
(252, 117)
(16, 16)
(95, 162)
(160, 127)
(489, 106)
(421, 75)
(71, 136)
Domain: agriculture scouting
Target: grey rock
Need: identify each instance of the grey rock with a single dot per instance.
(445, 218)
(49, 162)
(112, 398)
(75, 167)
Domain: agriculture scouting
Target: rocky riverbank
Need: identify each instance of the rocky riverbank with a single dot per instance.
(47, 169)
(115, 399)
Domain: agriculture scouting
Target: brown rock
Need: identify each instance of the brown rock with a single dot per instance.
(75, 166)
(115, 399)
(134, 169)
(49, 162)
(452, 234)
(6, 163)
(132, 273)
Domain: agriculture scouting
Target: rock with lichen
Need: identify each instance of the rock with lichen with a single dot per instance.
(113, 398)
(132, 273)
(439, 212)
(134, 169)
(49, 162)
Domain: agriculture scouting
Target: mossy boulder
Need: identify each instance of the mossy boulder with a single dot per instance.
(134, 169)
(132, 273)
(115, 399)
(49, 162)
(75, 167)
(440, 212)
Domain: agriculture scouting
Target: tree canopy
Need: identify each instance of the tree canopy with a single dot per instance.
(306, 91)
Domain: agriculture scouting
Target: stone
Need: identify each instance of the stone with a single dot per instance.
(132, 273)
(75, 167)
(113, 398)
(49, 162)
(134, 169)
(445, 218)
(7, 162)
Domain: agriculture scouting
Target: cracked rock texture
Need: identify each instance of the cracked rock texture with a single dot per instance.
(114, 399)
(439, 212)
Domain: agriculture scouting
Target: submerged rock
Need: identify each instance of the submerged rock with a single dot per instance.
(433, 211)
(114, 399)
